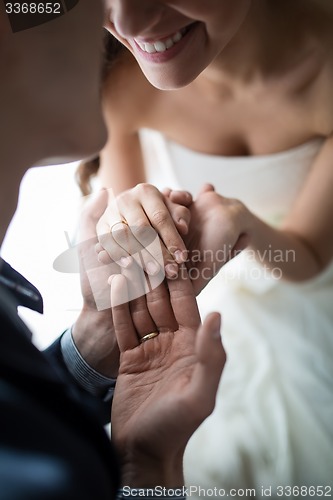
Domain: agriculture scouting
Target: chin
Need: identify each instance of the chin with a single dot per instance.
(172, 78)
(172, 82)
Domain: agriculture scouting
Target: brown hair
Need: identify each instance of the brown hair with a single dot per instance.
(88, 169)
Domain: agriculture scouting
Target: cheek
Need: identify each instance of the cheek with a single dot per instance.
(223, 27)
(232, 14)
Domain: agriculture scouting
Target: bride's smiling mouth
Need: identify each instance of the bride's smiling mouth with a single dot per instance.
(163, 49)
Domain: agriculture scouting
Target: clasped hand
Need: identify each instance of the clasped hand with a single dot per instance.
(197, 233)
(167, 385)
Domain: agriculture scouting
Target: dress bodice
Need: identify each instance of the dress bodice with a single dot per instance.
(267, 184)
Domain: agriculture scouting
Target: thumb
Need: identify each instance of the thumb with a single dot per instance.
(211, 360)
(206, 188)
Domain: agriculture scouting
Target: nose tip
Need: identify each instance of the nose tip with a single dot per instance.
(134, 18)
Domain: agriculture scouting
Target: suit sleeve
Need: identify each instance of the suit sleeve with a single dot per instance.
(75, 371)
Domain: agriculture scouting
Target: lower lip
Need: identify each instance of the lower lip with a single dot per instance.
(167, 55)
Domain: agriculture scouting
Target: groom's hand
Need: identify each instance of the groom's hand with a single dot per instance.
(93, 331)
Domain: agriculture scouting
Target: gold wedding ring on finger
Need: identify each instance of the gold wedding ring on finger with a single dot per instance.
(121, 221)
(149, 336)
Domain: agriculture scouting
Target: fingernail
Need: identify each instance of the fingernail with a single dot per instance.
(103, 257)
(125, 261)
(183, 223)
(152, 268)
(180, 256)
(216, 335)
(216, 328)
(171, 270)
(111, 278)
(98, 248)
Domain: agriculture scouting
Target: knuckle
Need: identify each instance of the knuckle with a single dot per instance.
(103, 239)
(120, 232)
(160, 217)
(146, 189)
(102, 227)
(140, 228)
(122, 200)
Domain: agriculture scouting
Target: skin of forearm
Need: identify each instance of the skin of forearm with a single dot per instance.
(283, 249)
(93, 337)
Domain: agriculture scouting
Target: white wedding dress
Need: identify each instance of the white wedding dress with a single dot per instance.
(273, 421)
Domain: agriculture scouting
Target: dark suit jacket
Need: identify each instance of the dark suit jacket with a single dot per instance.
(52, 442)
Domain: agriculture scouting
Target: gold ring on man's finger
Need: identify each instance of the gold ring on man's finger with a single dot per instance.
(149, 336)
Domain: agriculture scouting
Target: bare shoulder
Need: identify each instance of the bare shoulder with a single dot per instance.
(127, 94)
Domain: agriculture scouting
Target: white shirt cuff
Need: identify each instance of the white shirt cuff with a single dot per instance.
(93, 382)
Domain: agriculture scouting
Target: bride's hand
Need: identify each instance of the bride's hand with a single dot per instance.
(132, 221)
(218, 232)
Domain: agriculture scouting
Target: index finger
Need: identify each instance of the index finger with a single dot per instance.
(121, 315)
(160, 218)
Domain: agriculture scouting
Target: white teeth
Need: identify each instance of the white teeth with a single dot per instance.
(178, 36)
(149, 47)
(169, 43)
(160, 46)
